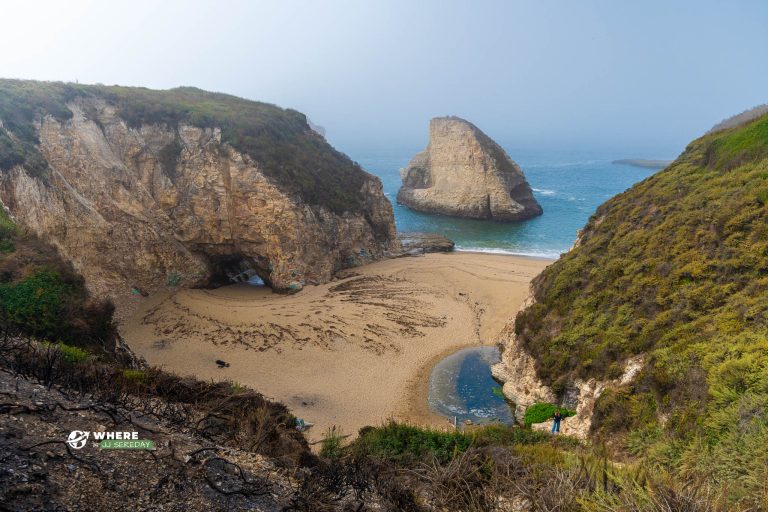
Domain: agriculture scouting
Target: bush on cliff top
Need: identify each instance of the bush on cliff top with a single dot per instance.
(280, 140)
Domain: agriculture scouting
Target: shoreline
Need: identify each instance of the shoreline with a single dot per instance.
(353, 352)
(504, 252)
(416, 409)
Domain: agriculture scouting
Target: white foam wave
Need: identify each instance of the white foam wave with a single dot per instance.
(545, 191)
(547, 255)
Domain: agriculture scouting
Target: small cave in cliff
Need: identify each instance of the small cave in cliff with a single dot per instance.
(236, 268)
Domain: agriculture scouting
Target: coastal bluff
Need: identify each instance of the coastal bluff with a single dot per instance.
(143, 190)
(464, 173)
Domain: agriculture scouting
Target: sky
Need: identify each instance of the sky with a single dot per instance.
(645, 77)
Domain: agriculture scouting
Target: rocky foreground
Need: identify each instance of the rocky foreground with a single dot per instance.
(186, 471)
(463, 173)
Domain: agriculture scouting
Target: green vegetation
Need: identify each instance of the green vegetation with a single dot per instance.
(539, 412)
(331, 444)
(738, 146)
(42, 296)
(405, 444)
(135, 375)
(279, 140)
(73, 354)
(675, 268)
(36, 302)
(399, 442)
(7, 233)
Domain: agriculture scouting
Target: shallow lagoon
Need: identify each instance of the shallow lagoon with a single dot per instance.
(461, 386)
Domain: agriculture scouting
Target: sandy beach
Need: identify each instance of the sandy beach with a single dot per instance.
(352, 352)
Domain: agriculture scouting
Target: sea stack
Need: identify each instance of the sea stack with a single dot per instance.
(464, 173)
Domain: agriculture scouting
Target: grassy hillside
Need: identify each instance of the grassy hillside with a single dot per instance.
(280, 140)
(676, 268)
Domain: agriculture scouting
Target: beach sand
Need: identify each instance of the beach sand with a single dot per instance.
(353, 352)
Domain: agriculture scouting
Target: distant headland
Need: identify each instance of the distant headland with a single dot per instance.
(642, 162)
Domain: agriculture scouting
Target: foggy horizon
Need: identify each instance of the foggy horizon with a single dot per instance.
(636, 80)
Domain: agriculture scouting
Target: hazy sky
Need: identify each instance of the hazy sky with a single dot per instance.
(647, 76)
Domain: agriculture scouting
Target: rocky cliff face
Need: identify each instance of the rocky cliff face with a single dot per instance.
(523, 386)
(463, 173)
(158, 204)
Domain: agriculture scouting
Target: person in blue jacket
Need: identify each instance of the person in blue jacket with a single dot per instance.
(556, 423)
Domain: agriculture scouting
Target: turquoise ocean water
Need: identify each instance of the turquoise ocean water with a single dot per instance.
(569, 185)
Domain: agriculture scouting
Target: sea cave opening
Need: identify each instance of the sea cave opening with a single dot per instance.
(238, 268)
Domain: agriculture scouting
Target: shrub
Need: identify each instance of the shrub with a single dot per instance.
(135, 375)
(541, 412)
(36, 303)
(73, 354)
(331, 444)
(402, 443)
(7, 232)
(41, 295)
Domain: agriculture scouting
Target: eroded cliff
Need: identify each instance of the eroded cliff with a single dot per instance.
(145, 189)
(463, 173)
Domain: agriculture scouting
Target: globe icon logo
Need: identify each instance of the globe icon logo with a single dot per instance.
(77, 439)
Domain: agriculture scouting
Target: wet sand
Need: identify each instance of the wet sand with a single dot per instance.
(353, 352)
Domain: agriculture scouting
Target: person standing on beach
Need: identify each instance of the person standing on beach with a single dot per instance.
(556, 422)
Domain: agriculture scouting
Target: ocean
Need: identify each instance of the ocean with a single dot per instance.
(569, 185)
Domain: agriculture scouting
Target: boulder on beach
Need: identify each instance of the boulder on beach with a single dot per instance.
(420, 242)
(464, 173)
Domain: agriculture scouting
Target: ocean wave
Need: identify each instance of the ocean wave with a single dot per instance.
(549, 255)
(544, 191)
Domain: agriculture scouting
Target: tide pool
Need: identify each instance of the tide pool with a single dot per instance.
(461, 386)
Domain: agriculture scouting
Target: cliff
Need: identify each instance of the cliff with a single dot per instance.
(668, 281)
(463, 173)
(144, 189)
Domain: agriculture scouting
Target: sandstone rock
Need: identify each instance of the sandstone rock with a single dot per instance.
(114, 207)
(424, 242)
(463, 173)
